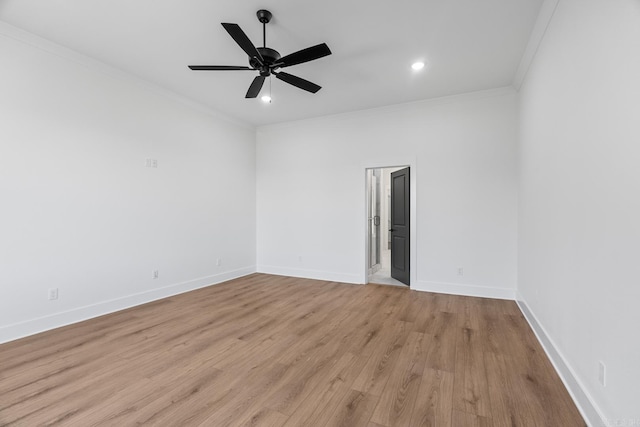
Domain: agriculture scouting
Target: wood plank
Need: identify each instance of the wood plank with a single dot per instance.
(265, 417)
(465, 419)
(398, 397)
(378, 367)
(442, 351)
(434, 400)
(470, 388)
(354, 410)
(326, 397)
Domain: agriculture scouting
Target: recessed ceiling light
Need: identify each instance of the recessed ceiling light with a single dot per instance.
(417, 65)
(266, 99)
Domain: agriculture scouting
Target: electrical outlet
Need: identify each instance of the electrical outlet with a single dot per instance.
(156, 274)
(300, 258)
(53, 294)
(460, 271)
(219, 262)
(602, 374)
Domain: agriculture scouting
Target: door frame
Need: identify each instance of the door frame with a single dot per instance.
(369, 215)
(400, 162)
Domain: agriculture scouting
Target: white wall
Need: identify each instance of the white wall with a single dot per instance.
(579, 223)
(463, 150)
(79, 209)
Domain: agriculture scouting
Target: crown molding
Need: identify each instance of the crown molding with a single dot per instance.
(535, 39)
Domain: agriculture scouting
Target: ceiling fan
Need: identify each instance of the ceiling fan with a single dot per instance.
(266, 60)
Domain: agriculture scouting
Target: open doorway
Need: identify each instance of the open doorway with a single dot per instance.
(388, 226)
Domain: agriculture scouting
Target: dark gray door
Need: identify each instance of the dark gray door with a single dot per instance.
(400, 225)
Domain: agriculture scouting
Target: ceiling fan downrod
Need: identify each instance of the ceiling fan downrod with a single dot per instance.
(264, 16)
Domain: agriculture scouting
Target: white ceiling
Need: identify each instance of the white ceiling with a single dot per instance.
(468, 45)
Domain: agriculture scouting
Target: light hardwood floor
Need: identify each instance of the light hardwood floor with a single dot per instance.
(277, 351)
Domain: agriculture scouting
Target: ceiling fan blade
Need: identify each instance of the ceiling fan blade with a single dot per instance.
(255, 87)
(218, 67)
(304, 55)
(298, 82)
(243, 41)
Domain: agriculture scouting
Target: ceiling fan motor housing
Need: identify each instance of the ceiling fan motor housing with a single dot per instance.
(270, 56)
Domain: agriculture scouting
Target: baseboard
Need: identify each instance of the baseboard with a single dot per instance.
(53, 321)
(466, 290)
(310, 274)
(585, 403)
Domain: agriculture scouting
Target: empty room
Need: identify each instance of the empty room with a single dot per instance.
(347, 213)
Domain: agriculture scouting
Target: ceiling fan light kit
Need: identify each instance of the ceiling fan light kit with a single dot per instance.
(268, 61)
